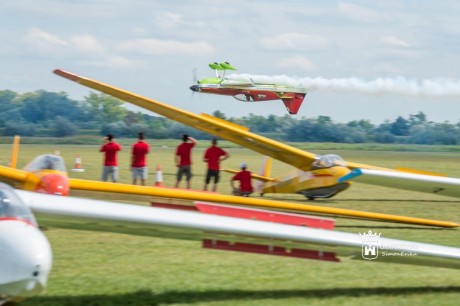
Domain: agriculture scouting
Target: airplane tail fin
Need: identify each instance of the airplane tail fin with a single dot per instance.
(265, 171)
(293, 103)
(15, 151)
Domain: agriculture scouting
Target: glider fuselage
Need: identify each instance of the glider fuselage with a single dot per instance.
(25, 253)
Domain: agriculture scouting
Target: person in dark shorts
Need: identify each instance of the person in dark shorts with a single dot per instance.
(213, 156)
(183, 159)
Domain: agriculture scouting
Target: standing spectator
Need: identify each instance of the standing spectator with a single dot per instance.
(138, 161)
(213, 156)
(183, 159)
(244, 176)
(110, 149)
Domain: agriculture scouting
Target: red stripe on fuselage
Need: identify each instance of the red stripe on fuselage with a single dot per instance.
(17, 219)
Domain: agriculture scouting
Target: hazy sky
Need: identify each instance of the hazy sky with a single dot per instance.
(371, 60)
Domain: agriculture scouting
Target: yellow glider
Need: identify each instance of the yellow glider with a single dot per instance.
(316, 176)
(45, 174)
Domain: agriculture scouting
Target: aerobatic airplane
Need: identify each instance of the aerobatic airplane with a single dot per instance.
(316, 176)
(26, 259)
(247, 90)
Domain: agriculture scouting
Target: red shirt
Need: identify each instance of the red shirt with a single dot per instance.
(244, 177)
(139, 151)
(213, 155)
(110, 149)
(184, 152)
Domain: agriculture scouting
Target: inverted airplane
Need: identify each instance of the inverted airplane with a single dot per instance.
(26, 257)
(246, 90)
(316, 176)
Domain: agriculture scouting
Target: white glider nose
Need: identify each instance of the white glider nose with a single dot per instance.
(25, 259)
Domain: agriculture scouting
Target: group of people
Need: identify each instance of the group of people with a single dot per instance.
(213, 156)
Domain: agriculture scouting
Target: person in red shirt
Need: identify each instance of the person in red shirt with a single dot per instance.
(138, 159)
(244, 176)
(110, 149)
(183, 159)
(213, 156)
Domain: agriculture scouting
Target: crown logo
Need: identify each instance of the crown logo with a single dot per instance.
(370, 237)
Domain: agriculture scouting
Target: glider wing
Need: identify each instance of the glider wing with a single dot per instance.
(446, 186)
(136, 190)
(217, 231)
(11, 176)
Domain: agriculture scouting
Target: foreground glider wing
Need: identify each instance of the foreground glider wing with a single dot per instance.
(210, 124)
(215, 231)
(86, 185)
(446, 186)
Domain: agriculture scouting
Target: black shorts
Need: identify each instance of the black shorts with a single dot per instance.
(184, 170)
(212, 174)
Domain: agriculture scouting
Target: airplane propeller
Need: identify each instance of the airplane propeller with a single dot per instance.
(194, 87)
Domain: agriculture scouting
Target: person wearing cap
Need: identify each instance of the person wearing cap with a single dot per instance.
(110, 149)
(244, 176)
(183, 159)
(213, 156)
(139, 152)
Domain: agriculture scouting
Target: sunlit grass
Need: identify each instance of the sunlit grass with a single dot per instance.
(114, 269)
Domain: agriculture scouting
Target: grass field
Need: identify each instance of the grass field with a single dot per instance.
(115, 269)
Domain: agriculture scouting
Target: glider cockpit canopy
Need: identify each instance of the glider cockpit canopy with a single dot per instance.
(46, 162)
(327, 161)
(11, 206)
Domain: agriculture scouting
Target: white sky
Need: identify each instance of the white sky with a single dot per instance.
(151, 47)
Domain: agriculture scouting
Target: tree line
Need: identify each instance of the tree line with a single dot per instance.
(43, 113)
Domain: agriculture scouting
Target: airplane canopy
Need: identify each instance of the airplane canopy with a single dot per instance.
(46, 162)
(11, 206)
(327, 161)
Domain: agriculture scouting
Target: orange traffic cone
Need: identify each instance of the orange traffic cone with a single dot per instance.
(158, 177)
(77, 167)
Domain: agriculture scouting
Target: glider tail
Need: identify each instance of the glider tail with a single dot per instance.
(293, 103)
(265, 171)
(15, 151)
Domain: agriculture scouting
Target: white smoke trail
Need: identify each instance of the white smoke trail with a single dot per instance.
(380, 86)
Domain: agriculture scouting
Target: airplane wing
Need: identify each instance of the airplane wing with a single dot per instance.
(209, 124)
(446, 186)
(87, 185)
(254, 176)
(11, 175)
(226, 83)
(226, 233)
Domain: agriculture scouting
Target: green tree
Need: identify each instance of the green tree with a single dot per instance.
(42, 106)
(105, 108)
(400, 127)
(219, 114)
(419, 118)
(62, 127)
